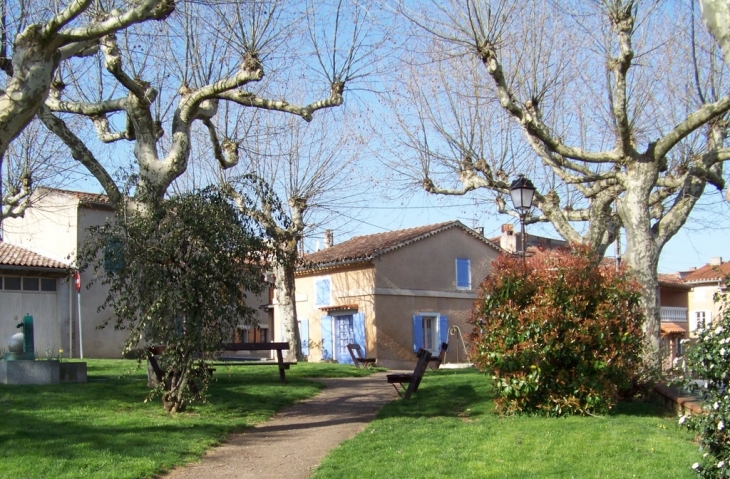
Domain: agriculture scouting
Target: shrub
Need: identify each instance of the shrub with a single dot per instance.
(559, 334)
(709, 360)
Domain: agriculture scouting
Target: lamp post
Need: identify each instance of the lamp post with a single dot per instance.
(522, 190)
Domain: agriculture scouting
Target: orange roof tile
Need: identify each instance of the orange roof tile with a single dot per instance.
(672, 328)
(365, 248)
(708, 273)
(16, 256)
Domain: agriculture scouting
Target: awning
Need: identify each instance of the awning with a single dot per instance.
(672, 328)
(339, 307)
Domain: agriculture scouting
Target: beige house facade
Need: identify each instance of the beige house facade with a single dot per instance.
(393, 293)
(704, 283)
(55, 227)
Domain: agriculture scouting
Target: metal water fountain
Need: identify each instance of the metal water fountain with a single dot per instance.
(22, 345)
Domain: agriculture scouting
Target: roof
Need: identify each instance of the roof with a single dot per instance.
(708, 273)
(366, 248)
(85, 199)
(672, 328)
(18, 258)
(672, 280)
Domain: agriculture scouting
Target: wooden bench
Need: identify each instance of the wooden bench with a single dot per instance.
(435, 362)
(244, 361)
(357, 356)
(412, 379)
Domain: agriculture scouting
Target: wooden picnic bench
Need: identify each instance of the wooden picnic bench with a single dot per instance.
(412, 379)
(358, 357)
(244, 361)
(230, 360)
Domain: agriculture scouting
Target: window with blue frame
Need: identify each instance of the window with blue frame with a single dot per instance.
(429, 331)
(463, 273)
(322, 292)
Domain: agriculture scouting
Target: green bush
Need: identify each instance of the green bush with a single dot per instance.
(559, 334)
(709, 360)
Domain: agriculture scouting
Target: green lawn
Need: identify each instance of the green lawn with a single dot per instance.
(103, 428)
(448, 430)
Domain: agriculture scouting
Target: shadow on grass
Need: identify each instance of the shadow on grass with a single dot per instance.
(446, 394)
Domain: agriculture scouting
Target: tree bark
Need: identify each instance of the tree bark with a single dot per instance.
(286, 308)
(642, 254)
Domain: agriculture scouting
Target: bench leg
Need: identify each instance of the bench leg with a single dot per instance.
(397, 389)
(280, 358)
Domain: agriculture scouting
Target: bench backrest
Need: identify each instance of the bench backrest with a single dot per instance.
(423, 356)
(355, 352)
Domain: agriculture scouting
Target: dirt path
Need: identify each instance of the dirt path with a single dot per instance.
(296, 439)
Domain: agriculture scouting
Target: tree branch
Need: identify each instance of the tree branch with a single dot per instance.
(81, 153)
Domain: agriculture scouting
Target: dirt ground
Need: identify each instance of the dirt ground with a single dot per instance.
(295, 440)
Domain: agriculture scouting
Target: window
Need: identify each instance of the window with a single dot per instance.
(429, 331)
(23, 283)
(322, 292)
(258, 335)
(463, 273)
(12, 283)
(48, 284)
(31, 284)
(703, 319)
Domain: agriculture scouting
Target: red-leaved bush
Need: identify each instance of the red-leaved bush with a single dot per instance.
(559, 334)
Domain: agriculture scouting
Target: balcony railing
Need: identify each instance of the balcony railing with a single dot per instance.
(673, 314)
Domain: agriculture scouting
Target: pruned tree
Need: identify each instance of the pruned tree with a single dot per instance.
(314, 169)
(620, 120)
(36, 39)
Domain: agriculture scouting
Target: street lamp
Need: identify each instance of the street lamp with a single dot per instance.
(522, 190)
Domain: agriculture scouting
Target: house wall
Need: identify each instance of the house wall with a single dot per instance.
(430, 264)
(673, 297)
(700, 298)
(353, 285)
(421, 278)
(48, 228)
(105, 342)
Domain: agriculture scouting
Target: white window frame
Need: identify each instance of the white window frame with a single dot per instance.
(468, 270)
(706, 318)
(432, 318)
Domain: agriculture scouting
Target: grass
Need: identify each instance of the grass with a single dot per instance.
(448, 430)
(103, 428)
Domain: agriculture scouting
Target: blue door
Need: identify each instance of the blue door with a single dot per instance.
(345, 332)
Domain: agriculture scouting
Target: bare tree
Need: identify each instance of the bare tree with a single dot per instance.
(625, 115)
(314, 169)
(35, 39)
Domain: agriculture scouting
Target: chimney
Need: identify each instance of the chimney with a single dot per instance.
(508, 240)
(328, 239)
(716, 261)
(480, 230)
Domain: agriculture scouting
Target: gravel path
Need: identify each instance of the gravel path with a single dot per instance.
(296, 439)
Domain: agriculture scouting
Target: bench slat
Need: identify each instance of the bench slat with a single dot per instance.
(255, 346)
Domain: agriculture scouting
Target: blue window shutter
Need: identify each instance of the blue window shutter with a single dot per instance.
(322, 288)
(358, 326)
(417, 332)
(327, 352)
(304, 336)
(443, 329)
(463, 276)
